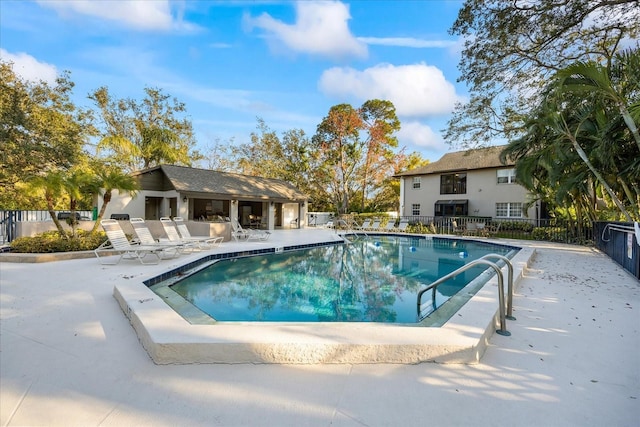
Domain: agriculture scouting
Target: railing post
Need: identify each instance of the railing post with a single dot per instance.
(509, 314)
(11, 226)
(503, 323)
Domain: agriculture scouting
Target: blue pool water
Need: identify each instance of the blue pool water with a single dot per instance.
(369, 280)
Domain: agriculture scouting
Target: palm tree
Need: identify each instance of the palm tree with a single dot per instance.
(615, 87)
(50, 186)
(612, 83)
(107, 179)
(581, 137)
(75, 184)
(568, 130)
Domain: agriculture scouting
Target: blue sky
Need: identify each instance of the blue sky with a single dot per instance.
(230, 62)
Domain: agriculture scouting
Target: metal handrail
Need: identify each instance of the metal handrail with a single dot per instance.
(434, 285)
(506, 260)
(348, 228)
(617, 227)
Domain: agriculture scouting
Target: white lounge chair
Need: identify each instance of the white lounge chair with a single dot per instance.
(375, 226)
(365, 225)
(117, 243)
(403, 225)
(145, 238)
(174, 236)
(205, 242)
(391, 225)
(241, 234)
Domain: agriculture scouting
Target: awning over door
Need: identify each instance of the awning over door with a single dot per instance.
(458, 207)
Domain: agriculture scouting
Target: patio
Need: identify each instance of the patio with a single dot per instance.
(70, 357)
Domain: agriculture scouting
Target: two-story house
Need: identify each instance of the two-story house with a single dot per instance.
(465, 183)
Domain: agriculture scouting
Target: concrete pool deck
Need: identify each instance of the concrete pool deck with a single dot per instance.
(170, 339)
(68, 356)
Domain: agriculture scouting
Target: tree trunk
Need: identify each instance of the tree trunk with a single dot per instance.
(54, 217)
(105, 201)
(599, 177)
(626, 116)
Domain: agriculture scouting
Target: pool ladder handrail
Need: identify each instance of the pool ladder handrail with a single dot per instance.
(503, 323)
(348, 228)
(507, 261)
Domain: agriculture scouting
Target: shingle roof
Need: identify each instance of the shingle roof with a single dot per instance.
(193, 180)
(479, 158)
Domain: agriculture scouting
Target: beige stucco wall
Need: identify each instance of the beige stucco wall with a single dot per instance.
(196, 228)
(483, 192)
(135, 205)
(33, 228)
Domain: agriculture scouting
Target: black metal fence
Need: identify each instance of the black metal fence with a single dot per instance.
(7, 226)
(620, 241)
(550, 230)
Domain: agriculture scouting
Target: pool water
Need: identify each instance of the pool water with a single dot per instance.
(373, 279)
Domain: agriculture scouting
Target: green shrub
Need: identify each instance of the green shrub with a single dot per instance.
(420, 228)
(52, 242)
(550, 234)
(516, 226)
(540, 233)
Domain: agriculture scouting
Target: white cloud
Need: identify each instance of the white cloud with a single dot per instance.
(417, 90)
(140, 15)
(29, 68)
(220, 45)
(320, 29)
(407, 42)
(418, 134)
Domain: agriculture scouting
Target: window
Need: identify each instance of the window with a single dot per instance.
(455, 183)
(416, 182)
(506, 176)
(451, 208)
(415, 209)
(509, 210)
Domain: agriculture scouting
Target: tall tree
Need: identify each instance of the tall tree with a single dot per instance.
(263, 155)
(139, 135)
(512, 48)
(387, 198)
(356, 148)
(302, 167)
(218, 156)
(380, 123)
(41, 130)
(338, 139)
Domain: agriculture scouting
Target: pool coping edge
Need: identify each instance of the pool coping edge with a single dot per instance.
(170, 339)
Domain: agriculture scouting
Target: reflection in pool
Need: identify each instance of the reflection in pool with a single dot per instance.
(368, 280)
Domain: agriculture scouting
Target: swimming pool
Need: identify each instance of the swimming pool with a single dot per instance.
(374, 279)
(169, 338)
